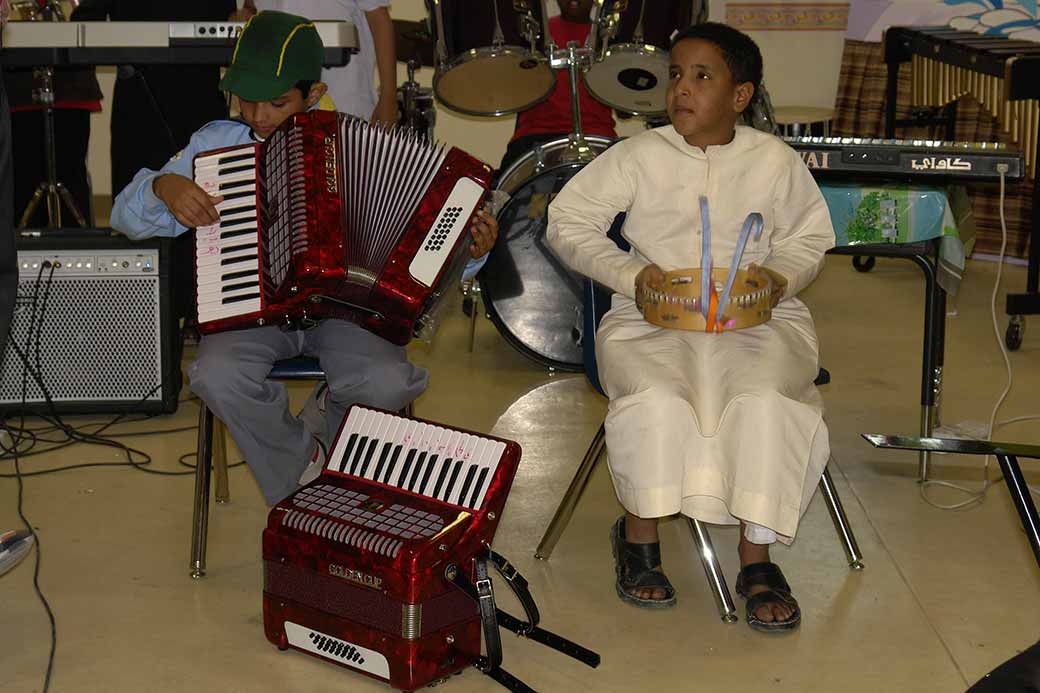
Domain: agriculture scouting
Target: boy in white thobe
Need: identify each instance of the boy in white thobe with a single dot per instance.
(725, 427)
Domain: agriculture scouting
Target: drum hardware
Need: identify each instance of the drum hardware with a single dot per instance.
(39, 10)
(611, 24)
(498, 40)
(415, 105)
(574, 59)
(529, 28)
(470, 289)
(55, 190)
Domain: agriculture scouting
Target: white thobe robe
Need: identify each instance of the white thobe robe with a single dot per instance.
(720, 427)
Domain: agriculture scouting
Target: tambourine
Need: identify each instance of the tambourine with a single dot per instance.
(679, 305)
(712, 300)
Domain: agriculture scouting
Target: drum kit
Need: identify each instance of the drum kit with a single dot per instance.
(497, 57)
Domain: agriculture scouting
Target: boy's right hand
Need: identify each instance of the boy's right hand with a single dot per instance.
(189, 203)
(650, 276)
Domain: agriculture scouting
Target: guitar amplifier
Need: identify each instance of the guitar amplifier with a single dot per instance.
(93, 327)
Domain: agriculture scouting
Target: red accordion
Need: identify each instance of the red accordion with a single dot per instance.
(332, 217)
(355, 563)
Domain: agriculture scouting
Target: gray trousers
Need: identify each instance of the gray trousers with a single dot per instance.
(230, 375)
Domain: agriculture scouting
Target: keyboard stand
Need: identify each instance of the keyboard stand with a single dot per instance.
(1007, 455)
(1020, 304)
(925, 255)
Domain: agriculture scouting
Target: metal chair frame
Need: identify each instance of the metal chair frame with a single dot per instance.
(212, 457)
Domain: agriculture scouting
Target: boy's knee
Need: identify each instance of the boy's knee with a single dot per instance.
(385, 385)
(655, 400)
(213, 371)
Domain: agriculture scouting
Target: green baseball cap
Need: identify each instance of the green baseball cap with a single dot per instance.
(274, 51)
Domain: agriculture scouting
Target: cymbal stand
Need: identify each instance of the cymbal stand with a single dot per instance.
(55, 190)
(574, 59)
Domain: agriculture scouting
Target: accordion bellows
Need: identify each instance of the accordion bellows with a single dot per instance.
(333, 217)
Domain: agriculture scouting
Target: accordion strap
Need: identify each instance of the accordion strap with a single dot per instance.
(518, 584)
(488, 618)
(492, 617)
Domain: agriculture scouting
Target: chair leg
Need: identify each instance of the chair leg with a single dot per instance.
(713, 571)
(1022, 499)
(571, 497)
(221, 491)
(474, 297)
(841, 521)
(200, 517)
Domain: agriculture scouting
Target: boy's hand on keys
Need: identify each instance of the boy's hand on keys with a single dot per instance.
(779, 282)
(189, 203)
(650, 277)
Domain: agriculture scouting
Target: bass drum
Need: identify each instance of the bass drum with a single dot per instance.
(531, 296)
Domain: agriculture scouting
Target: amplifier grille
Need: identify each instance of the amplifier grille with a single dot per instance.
(99, 339)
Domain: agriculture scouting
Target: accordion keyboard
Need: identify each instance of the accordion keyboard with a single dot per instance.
(228, 264)
(440, 463)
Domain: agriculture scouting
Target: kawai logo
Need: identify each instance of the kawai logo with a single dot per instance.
(816, 160)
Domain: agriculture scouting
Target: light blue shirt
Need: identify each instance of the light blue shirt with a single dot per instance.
(138, 213)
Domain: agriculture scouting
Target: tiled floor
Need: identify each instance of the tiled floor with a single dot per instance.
(945, 597)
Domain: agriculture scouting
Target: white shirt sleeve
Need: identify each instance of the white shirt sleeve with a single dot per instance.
(802, 232)
(583, 212)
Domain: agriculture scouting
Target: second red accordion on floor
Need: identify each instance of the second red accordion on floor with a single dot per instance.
(333, 217)
(357, 563)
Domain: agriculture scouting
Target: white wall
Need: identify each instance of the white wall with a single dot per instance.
(99, 161)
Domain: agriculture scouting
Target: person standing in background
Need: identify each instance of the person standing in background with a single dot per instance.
(351, 87)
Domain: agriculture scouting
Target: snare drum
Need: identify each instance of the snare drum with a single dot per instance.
(632, 41)
(490, 55)
(531, 296)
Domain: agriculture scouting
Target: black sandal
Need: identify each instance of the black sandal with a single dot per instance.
(778, 592)
(635, 565)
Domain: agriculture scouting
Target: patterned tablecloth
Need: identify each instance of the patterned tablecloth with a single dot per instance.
(905, 214)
